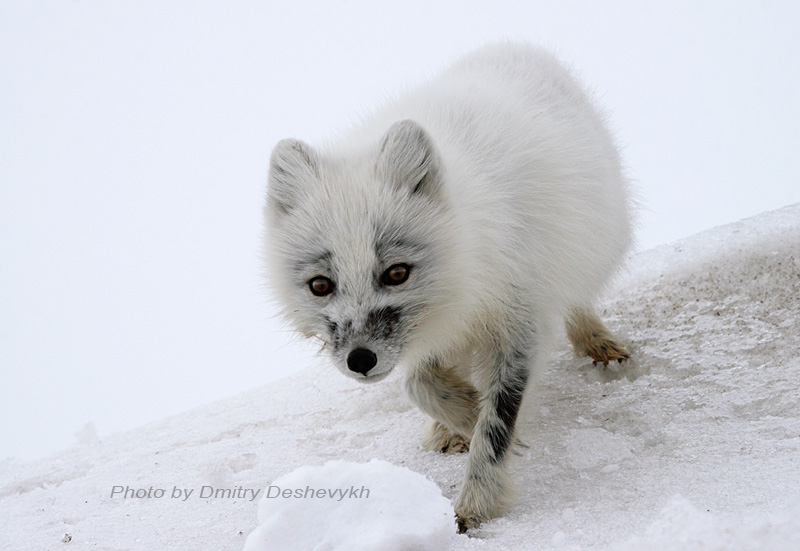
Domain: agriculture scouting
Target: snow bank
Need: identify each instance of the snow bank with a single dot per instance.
(708, 408)
(346, 506)
(681, 526)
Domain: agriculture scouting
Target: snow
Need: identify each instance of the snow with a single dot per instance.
(347, 506)
(680, 526)
(694, 444)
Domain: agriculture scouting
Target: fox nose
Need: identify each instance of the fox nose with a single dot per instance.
(361, 360)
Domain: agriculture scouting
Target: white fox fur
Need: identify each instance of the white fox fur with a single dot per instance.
(497, 191)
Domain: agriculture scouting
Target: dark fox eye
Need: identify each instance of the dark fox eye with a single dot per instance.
(320, 286)
(396, 274)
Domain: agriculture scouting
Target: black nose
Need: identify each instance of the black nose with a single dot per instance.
(361, 360)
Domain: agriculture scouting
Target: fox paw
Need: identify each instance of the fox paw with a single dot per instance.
(465, 523)
(486, 493)
(441, 439)
(606, 348)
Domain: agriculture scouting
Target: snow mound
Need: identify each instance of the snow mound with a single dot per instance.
(347, 506)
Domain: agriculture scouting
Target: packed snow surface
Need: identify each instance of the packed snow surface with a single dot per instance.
(346, 506)
(693, 444)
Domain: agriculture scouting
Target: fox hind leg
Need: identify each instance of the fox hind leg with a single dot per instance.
(590, 337)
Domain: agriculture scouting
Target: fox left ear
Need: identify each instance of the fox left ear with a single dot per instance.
(409, 160)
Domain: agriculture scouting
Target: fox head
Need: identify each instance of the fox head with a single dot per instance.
(358, 246)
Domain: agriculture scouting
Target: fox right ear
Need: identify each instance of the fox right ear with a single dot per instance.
(292, 166)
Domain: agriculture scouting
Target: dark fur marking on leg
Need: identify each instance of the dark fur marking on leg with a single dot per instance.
(508, 400)
(506, 403)
(499, 436)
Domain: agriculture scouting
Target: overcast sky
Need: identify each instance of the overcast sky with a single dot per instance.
(134, 145)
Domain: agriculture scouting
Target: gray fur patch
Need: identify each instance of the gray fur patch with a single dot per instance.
(381, 323)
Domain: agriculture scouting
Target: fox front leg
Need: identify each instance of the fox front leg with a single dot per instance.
(486, 491)
(450, 400)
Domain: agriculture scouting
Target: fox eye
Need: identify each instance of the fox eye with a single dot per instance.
(396, 274)
(320, 286)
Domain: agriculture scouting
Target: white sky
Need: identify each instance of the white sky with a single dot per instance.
(134, 144)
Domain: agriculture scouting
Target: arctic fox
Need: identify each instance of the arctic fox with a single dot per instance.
(449, 232)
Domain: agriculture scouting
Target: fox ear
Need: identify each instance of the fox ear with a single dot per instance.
(292, 167)
(409, 160)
